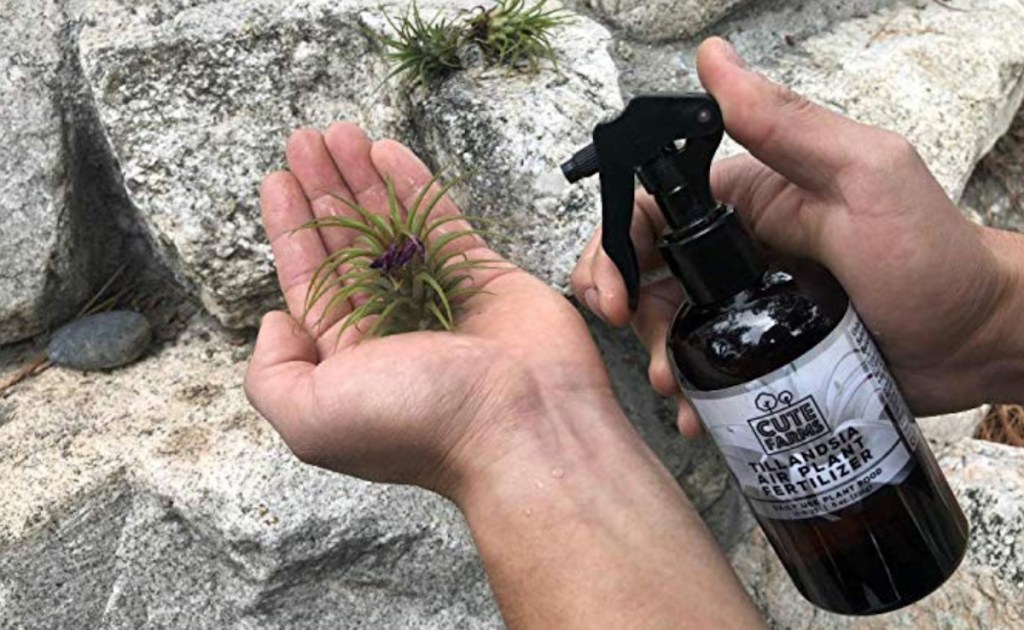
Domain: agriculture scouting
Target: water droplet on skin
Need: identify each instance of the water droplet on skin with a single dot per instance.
(540, 484)
(558, 473)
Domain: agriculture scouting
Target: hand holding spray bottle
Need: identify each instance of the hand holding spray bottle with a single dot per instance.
(783, 374)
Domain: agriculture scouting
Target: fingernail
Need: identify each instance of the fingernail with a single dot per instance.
(593, 300)
(732, 55)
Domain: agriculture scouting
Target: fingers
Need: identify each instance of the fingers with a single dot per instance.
(279, 380)
(655, 312)
(804, 142)
(597, 282)
(351, 150)
(779, 213)
(410, 175)
(297, 254)
(312, 164)
(687, 420)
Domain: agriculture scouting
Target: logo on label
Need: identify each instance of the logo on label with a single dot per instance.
(786, 424)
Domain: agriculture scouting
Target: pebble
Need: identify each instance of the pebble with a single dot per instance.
(101, 342)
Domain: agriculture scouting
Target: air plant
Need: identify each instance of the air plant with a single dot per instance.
(510, 33)
(400, 269)
(424, 51)
(514, 34)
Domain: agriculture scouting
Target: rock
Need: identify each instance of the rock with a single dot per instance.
(948, 76)
(662, 19)
(507, 130)
(101, 342)
(42, 277)
(896, 70)
(986, 590)
(154, 496)
(952, 427)
(197, 101)
(996, 189)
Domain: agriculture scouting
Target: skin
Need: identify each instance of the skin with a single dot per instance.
(939, 293)
(577, 523)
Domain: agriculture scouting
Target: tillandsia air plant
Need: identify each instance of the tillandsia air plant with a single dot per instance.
(510, 33)
(515, 34)
(423, 51)
(401, 269)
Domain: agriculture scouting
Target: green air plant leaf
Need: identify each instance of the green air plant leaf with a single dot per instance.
(515, 34)
(400, 270)
(422, 51)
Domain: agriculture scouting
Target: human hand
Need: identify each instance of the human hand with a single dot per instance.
(936, 291)
(426, 408)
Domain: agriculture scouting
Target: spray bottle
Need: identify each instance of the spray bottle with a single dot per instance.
(783, 374)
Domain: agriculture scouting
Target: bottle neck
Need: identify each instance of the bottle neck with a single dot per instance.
(714, 258)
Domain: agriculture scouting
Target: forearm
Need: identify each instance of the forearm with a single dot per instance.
(1004, 375)
(584, 528)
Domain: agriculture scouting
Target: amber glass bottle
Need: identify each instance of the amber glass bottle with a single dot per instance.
(812, 426)
(783, 374)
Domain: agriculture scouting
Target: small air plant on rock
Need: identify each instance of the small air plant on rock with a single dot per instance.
(424, 51)
(516, 35)
(510, 33)
(401, 270)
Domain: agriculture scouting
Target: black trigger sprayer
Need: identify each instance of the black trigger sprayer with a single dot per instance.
(782, 372)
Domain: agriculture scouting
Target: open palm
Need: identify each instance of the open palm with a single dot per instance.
(409, 408)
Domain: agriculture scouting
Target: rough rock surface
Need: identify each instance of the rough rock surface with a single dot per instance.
(986, 590)
(662, 19)
(508, 130)
(952, 427)
(948, 76)
(198, 101)
(154, 496)
(42, 277)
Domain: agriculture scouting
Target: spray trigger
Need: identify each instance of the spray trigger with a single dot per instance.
(642, 142)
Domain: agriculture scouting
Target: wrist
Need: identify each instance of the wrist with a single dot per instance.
(1004, 334)
(580, 526)
(545, 449)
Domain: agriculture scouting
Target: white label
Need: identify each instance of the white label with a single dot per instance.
(817, 435)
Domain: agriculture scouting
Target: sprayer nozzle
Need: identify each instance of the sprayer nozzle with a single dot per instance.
(583, 163)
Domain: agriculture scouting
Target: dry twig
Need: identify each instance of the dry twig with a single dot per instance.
(1004, 424)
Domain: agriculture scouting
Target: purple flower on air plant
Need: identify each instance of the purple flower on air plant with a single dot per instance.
(399, 254)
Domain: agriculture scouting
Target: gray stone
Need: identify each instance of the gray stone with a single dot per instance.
(985, 592)
(101, 342)
(197, 101)
(952, 427)
(659, 20)
(508, 129)
(948, 76)
(949, 80)
(42, 277)
(154, 496)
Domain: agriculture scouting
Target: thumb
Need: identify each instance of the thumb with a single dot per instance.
(764, 198)
(279, 380)
(804, 142)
